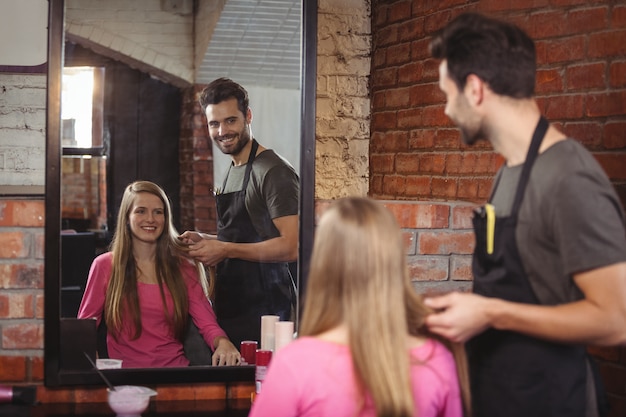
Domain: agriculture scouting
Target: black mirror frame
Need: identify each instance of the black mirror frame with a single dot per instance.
(53, 374)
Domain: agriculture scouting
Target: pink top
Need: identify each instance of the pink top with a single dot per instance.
(157, 346)
(312, 378)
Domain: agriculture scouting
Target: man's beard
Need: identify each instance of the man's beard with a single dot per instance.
(471, 136)
(242, 139)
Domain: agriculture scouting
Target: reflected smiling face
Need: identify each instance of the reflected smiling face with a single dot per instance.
(458, 108)
(146, 218)
(228, 126)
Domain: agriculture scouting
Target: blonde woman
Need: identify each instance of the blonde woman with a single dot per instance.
(363, 350)
(147, 289)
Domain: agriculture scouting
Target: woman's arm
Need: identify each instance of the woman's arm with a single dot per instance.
(203, 316)
(92, 304)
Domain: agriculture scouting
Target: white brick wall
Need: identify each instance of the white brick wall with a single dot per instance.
(22, 129)
(343, 104)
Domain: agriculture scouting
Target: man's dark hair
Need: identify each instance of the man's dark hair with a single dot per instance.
(499, 53)
(224, 89)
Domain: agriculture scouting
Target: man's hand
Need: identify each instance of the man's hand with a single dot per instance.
(225, 353)
(458, 316)
(190, 237)
(208, 251)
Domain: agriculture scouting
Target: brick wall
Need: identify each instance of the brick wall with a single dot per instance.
(84, 180)
(197, 202)
(343, 102)
(416, 152)
(21, 289)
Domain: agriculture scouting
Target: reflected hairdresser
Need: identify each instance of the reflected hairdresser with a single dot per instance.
(257, 210)
(145, 290)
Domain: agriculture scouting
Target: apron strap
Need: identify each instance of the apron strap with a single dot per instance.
(531, 156)
(255, 147)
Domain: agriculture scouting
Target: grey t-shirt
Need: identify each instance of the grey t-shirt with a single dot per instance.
(570, 220)
(273, 191)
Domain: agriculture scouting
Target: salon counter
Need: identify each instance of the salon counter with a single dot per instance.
(207, 408)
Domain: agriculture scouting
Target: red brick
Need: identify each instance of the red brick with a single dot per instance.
(468, 189)
(409, 118)
(462, 216)
(412, 215)
(418, 186)
(444, 187)
(384, 120)
(547, 24)
(39, 306)
(586, 76)
(423, 94)
(605, 44)
(419, 49)
(13, 368)
(618, 17)
(606, 104)
(398, 54)
(432, 163)
(400, 10)
(22, 336)
(445, 243)
(36, 368)
(407, 163)
(614, 136)
(500, 5)
(409, 241)
(386, 36)
(617, 74)
(394, 185)
(385, 77)
(614, 164)
(397, 97)
(22, 213)
(563, 107)
(16, 305)
(561, 50)
(461, 268)
(411, 29)
(435, 116)
(431, 70)
(12, 245)
(422, 268)
(589, 133)
(382, 163)
(396, 141)
(548, 81)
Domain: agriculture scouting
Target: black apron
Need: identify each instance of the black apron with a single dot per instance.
(244, 290)
(512, 374)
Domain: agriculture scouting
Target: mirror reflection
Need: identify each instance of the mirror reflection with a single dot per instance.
(126, 117)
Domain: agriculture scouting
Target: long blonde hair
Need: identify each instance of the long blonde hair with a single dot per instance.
(358, 277)
(121, 295)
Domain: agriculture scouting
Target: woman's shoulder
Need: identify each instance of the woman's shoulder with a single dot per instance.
(188, 268)
(104, 259)
(308, 347)
(430, 350)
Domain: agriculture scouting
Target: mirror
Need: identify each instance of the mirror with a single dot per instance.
(55, 350)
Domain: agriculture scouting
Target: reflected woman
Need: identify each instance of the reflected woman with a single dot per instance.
(146, 289)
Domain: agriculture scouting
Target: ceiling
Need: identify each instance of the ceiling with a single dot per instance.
(256, 42)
